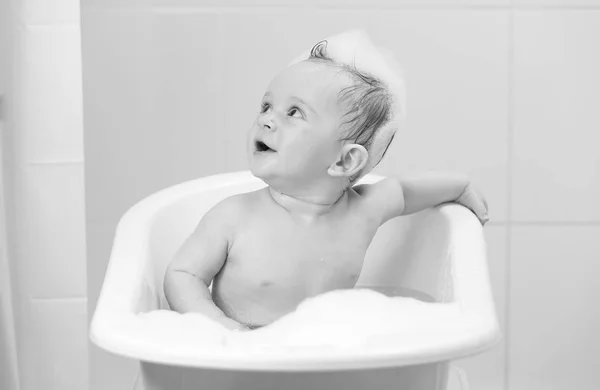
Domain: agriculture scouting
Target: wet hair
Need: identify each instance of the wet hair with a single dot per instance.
(367, 100)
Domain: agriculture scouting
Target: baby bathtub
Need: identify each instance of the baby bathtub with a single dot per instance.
(440, 252)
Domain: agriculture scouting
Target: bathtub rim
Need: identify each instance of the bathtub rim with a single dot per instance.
(113, 323)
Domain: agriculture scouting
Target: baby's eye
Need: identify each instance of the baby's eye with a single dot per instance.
(263, 107)
(296, 109)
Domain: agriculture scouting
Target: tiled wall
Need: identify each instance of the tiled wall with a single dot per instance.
(506, 92)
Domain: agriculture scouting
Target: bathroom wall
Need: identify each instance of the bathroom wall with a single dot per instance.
(504, 91)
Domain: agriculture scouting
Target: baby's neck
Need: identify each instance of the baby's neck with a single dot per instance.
(308, 207)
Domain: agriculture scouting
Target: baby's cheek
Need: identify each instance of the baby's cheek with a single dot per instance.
(306, 155)
(316, 158)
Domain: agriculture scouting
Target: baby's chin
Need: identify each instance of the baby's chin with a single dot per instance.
(263, 171)
(270, 174)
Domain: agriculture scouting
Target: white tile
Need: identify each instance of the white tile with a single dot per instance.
(48, 12)
(118, 111)
(487, 370)
(48, 95)
(154, 100)
(341, 4)
(554, 321)
(183, 100)
(556, 166)
(50, 226)
(455, 66)
(55, 340)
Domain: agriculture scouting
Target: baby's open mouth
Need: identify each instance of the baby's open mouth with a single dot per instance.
(262, 147)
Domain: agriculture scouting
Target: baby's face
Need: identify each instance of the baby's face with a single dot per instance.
(296, 134)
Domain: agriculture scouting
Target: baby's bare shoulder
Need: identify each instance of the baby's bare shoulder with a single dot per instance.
(230, 206)
(232, 209)
(383, 200)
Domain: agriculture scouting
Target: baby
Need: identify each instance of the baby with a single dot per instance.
(323, 125)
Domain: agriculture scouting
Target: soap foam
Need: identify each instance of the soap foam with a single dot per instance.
(341, 319)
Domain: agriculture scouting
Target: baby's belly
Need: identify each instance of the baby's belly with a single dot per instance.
(256, 299)
(256, 305)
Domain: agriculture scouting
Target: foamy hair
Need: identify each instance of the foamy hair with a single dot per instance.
(354, 48)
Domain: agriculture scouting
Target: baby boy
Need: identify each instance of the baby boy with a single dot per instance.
(323, 124)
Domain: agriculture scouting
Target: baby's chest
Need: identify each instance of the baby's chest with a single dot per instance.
(310, 258)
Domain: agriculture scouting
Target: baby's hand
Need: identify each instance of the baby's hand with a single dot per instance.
(474, 201)
(232, 324)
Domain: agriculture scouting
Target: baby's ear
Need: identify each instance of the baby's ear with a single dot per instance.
(351, 160)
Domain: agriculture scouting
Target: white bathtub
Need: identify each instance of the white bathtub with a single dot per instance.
(440, 252)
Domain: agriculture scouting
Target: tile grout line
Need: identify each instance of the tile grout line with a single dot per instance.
(65, 24)
(543, 223)
(404, 7)
(270, 8)
(549, 223)
(73, 299)
(509, 203)
(57, 162)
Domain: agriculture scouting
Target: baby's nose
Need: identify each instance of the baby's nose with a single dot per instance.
(267, 122)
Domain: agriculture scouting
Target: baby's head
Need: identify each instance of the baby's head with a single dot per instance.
(323, 122)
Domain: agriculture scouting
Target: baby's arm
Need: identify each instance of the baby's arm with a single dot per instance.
(393, 197)
(430, 189)
(196, 263)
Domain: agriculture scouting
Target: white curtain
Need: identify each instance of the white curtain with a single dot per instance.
(9, 374)
(9, 378)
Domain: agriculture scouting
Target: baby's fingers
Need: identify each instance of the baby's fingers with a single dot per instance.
(482, 214)
(475, 201)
